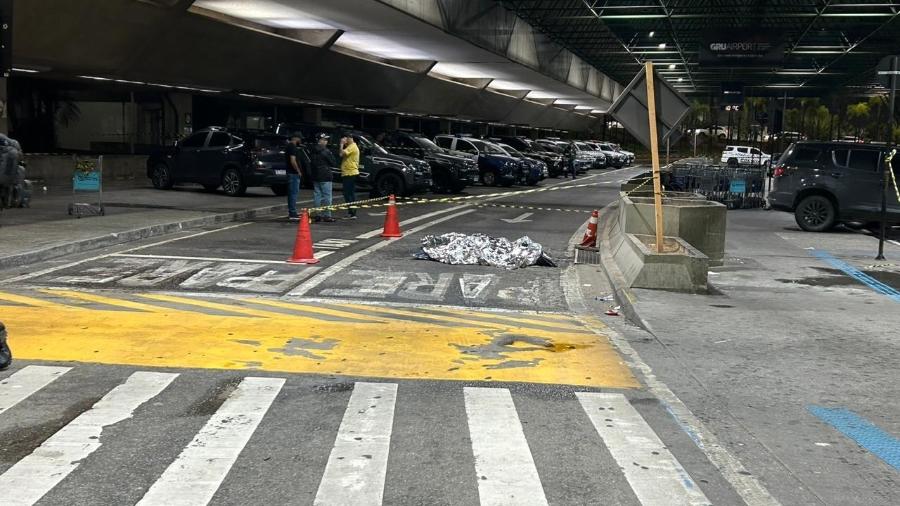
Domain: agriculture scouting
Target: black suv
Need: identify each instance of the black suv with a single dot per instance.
(450, 172)
(556, 163)
(826, 183)
(381, 172)
(215, 156)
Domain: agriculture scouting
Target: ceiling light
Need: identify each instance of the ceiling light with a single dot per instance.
(459, 71)
(662, 45)
(652, 34)
(583, 107)
(248, 95)
(95, 78)
(597, 111)
(540, 95)
(27, 71)
(382, 47)
(671, 65)
(499, 84)
(265, 12)
(680, 79)
(562, 101)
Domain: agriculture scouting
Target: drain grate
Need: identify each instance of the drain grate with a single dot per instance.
(587, 256)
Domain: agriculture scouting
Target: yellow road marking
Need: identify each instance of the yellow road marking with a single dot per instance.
(524, 318)
(210, 305)
(349, 315)
(109, 301)
(28, 301)
(469, 351)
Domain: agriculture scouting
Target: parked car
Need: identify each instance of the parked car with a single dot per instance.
(785, 136)
(495, 166)
(613, 157)
(450, 171)
(555, 161)
(826, 183)
(583, 159)
(599, 158)
(381, 172)
(537, 170)
(629, 156)
(735, 156)
(216, 156)
(719, 132)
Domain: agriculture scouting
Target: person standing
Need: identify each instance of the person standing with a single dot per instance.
(322, 160)
(349, 171)
(295, 157)
(572, 155)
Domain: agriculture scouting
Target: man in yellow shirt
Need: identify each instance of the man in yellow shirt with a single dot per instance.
(349, 171)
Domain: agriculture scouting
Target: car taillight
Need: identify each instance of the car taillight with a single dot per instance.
(778, 172)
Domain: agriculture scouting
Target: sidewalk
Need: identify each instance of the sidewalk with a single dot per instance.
(133, 212)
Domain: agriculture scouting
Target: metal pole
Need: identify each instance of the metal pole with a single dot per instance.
(885, 164)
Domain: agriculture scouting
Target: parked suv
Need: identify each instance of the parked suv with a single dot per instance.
(613, 157)
(629, 156)
(451, 172)
(556, 163)
(215, 156)
(536, 169)
(583, 159)
(494, 165)
(599, 158)
(734, 156)
(826, 183)
(381, 172)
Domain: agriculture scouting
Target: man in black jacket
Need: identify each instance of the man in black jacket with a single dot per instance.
(322, 160)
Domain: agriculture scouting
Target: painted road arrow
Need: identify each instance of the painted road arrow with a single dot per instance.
(518, 219)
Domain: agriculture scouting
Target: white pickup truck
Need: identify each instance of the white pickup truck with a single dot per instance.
(745, 155)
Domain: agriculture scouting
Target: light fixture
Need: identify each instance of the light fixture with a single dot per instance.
(583, 107)
(563, 101)
(671, 65)
(499, 84)
(380, 46)
(652, 34)
(249, 95)
(459, 71)
(662, 45)
(96, 78)
(597, 111)
(265, 12)
(680, 79)
(540, 95)
(27, 71)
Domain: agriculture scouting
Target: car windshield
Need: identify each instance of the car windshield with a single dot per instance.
(512, 151)
(488, 148)
(427, 145)
(584, 147)
(365, 141)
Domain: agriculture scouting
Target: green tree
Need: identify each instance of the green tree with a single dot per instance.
(858, 116)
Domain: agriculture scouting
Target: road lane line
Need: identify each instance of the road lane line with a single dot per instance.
(349, 260)
(48, 270)
(503, 463)
(655, 475)
(214, 259)
(29, 301)
(377, 231)
(35, 475)
(196, 474)
(190, 301)
(357, 465)
(309, 308)
(26, 381)
(99, 299)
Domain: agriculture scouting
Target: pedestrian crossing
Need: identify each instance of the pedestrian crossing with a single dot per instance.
(505, 463)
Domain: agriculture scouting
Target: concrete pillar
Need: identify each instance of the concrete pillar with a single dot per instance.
(312, 115)
(391, 122)
(444, 126)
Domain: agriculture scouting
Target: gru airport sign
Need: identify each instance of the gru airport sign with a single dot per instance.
(741, 48)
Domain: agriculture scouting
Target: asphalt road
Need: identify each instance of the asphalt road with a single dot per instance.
(199, 367)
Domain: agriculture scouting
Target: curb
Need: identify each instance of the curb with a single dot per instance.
(624, 296)
(111, 239)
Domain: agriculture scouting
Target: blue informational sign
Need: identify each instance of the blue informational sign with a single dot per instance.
(86, 181)
(738, 186)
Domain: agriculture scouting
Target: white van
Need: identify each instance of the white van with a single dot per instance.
(744, 155)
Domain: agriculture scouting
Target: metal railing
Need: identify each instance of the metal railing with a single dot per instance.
(737, 187)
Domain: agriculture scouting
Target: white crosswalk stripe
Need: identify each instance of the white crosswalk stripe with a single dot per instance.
(652, 471)
(197, 473)
(35, 475)
(20, 385)
(503, 462)
(501, 465)
(358, 462)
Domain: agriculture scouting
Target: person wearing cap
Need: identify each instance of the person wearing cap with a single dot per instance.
(349, 171)
(296, 158)
(322, 160)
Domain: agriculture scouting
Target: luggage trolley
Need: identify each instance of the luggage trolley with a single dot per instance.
(87, 179)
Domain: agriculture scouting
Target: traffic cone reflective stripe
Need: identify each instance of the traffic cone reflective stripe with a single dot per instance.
(590, 235)
(391, 221)
(303, 248)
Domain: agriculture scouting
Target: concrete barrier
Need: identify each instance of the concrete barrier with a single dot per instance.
(699, 222)
(56, 170)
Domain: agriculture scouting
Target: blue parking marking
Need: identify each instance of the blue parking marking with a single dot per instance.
(881, 444)
(891, 292)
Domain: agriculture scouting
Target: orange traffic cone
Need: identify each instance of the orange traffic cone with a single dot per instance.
(303, 248)
(391, 221)
(590, 235)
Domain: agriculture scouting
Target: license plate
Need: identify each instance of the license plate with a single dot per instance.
(280, 172)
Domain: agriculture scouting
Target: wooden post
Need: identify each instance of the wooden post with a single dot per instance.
(654, 156)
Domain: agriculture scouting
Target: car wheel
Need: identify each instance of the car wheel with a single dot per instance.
(732, 162)
(210, 187)
(816, 213)
(389, 184)
(280, 189)
(161, 177)
(233, 183)
(489, 178)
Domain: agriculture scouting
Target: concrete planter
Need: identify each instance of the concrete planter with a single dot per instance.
(681, 268)
(699, 222)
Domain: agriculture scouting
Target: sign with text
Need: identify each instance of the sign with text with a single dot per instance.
(741, 48)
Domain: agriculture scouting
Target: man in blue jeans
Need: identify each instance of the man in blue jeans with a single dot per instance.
(321, 162)
(296, 159)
